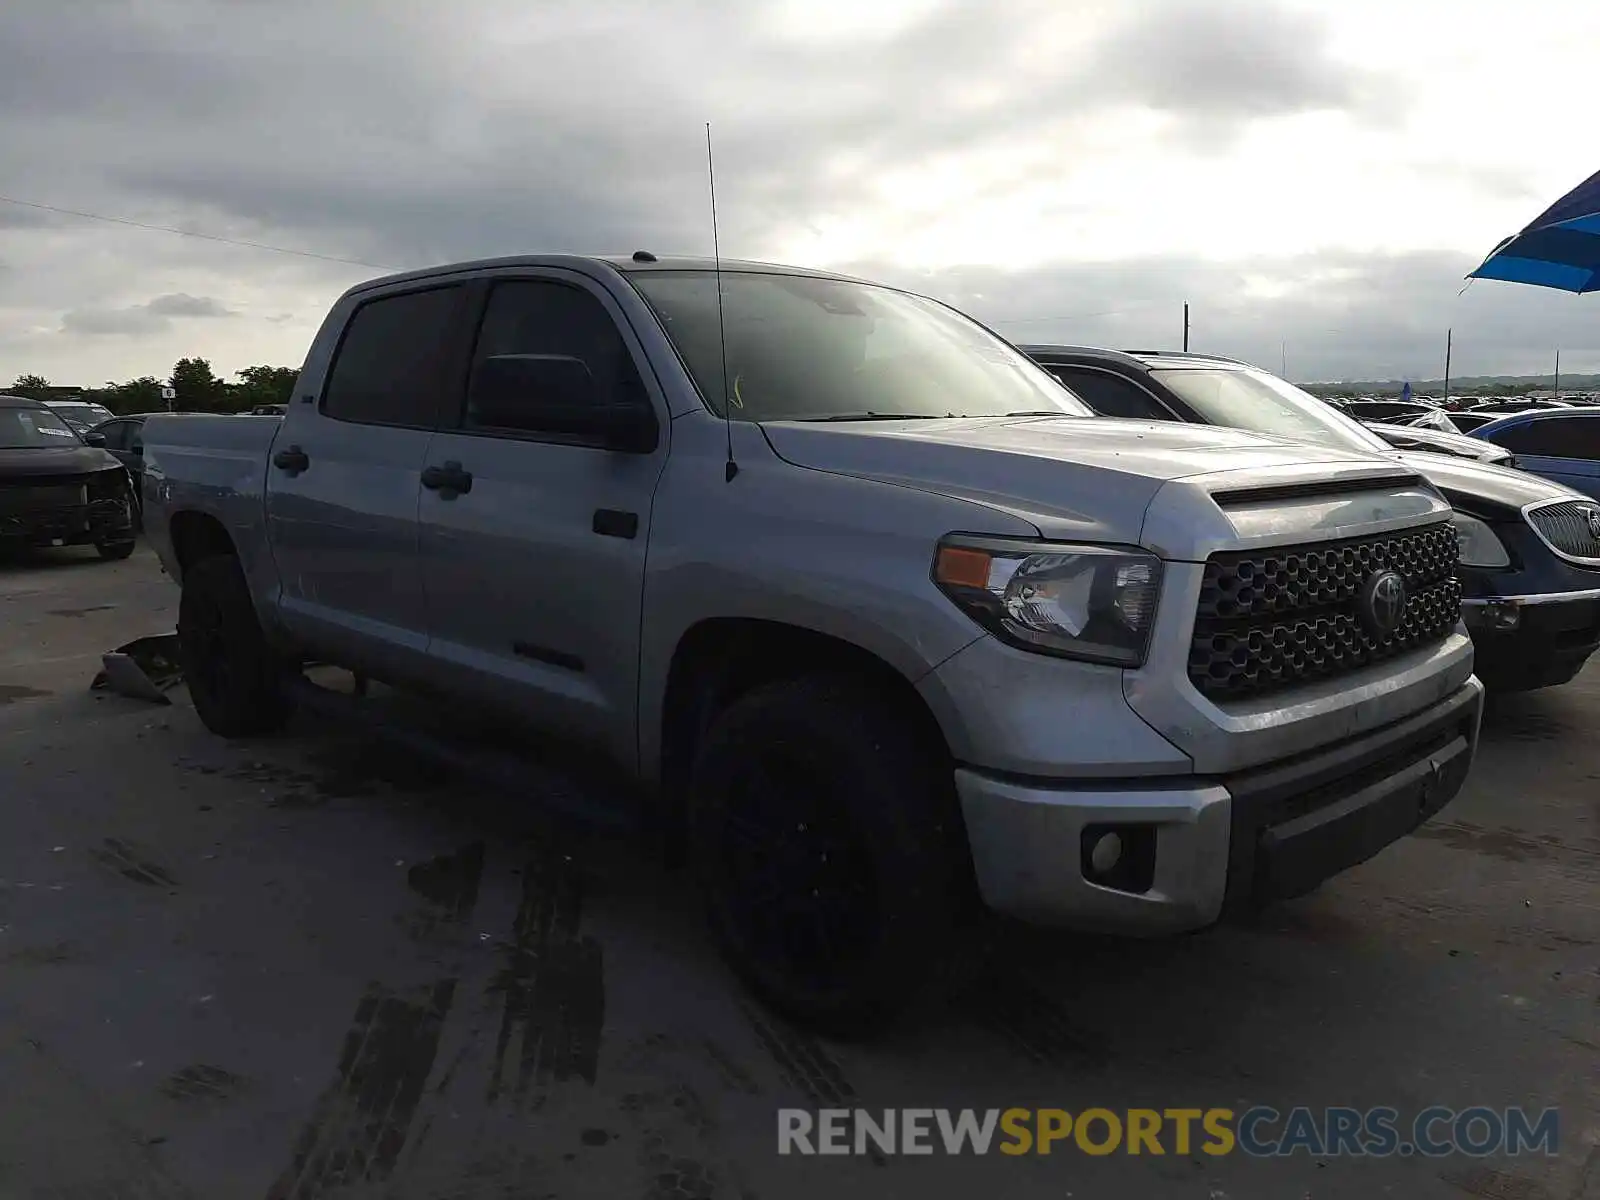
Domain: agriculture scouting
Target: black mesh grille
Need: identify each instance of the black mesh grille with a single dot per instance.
(1566, 527)
(1270, 619)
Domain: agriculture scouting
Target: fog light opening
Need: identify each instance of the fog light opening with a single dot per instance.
(1122, 857)
(1497, 615)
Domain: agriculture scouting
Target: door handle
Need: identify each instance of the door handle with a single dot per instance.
(292, 459)
(452, 479)
(611, 522)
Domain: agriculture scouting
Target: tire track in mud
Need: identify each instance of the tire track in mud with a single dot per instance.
(1514, 846)
(680, 1152)
(1034, 1024)
(806, 1065)
(802, 1061)
(363, 1120)
(537, 1027)
(553, 985)
(133, 863)
(361, 1123)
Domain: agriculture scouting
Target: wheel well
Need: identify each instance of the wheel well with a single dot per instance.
(197, 535)
(720, 660)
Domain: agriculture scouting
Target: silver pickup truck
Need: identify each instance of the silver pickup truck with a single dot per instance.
(880, 619)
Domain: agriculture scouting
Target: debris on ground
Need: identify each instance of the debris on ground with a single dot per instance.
(145, 668)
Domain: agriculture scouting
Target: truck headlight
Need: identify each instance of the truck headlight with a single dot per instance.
(1095, 603)
(1479, 545)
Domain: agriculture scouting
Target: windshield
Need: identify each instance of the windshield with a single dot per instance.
(33, 429)
(806, 349)
(81, 414)
(1263, 403)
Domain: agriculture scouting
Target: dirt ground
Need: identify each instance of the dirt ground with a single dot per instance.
(306, 967)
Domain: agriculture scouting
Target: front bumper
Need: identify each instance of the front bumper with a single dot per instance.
(1215, 845)
(96, 522)
(1524, 642)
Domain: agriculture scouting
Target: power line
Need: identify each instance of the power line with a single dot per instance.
(209, 237)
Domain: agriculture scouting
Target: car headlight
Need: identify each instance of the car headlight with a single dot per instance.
(1479, 545)
(1095, 603)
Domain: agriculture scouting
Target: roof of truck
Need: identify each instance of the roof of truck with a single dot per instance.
(10, 401)
(626, 263)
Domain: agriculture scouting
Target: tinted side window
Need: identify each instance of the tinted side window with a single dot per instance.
(389, 365)
(1111, 395)
(536, 319)
(1556, 437)
(135, 435)
(116, 434)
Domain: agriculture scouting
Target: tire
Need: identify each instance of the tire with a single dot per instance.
(828, 785)
(114, 551)
(235, 680)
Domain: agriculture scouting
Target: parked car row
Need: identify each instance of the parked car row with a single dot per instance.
(55, 490)
(1529, 560)
(1562, 445)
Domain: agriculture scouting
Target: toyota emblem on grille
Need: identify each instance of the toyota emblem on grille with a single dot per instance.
(1382, 601)
(1592, 516)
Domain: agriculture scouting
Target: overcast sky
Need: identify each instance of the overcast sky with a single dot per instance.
(1315, 179)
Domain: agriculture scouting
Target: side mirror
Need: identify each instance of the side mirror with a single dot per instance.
(94, 439)
(555, 393)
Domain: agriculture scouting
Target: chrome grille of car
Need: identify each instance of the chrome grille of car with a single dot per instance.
(1267, 620)
(1568, 529)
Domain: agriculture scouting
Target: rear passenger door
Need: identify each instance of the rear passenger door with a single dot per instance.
(343, 480)
(535, 575)
(1111, 395)
(1565, 449)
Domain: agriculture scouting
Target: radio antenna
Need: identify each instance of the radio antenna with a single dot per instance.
(732, 467)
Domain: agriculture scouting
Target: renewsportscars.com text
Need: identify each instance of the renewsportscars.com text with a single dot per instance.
(1259, 1132)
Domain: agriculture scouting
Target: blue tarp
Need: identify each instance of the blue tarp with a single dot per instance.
(1559, 249)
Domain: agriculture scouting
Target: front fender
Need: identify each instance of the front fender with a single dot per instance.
(835, 555)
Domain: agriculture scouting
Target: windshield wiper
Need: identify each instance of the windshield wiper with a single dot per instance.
(1040, 412)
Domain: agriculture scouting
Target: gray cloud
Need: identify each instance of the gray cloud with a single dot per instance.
(436, 142)
(399, 132)
(153, 316)
(180, 304)
(1236, 62)
(1364, 317)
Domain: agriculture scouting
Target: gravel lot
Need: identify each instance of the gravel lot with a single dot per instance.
(306, 968)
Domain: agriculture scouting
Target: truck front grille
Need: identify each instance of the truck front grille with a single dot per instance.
(1568, 528)
(1270, 619)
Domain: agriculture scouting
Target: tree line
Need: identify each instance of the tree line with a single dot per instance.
(197, 388)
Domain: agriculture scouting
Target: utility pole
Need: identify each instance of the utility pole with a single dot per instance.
(1186, 327)
(1449, 336)
(1558, 374)
(1283, 360)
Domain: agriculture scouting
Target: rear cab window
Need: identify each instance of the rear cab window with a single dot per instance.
(392, 360)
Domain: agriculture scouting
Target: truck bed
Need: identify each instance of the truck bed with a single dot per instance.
(209, 463)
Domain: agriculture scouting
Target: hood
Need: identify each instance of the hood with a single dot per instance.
(50, 460)
(1482, 489)
(1412, 437)
(1015, 463)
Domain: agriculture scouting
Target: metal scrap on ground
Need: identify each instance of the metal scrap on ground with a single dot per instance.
(145, 668)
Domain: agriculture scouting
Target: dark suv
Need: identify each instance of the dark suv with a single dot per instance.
(1530, 553)
(56, 491)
